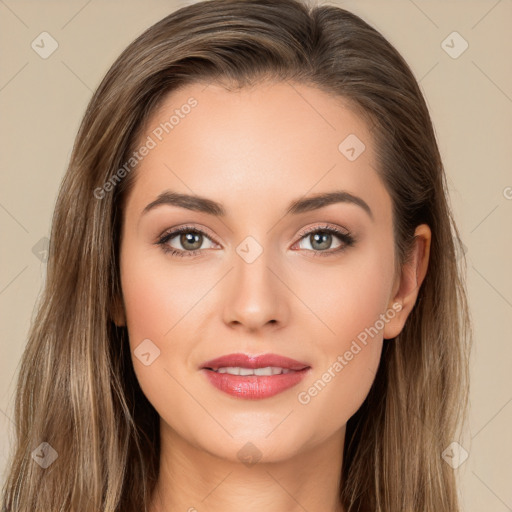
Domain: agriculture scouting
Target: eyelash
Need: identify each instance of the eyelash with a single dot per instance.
(345, 237)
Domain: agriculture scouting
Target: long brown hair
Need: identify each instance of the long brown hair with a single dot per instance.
(77, 389)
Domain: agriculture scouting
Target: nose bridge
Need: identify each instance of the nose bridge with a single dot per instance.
(252, 266)
(256, 294)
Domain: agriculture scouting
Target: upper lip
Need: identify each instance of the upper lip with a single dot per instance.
(248, 361)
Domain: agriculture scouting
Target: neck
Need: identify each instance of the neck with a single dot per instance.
(191, 479)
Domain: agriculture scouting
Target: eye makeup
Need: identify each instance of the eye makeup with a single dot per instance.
(346, 238)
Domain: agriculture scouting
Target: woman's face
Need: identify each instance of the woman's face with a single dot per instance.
(262, 281)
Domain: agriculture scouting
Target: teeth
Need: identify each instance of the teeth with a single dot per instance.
(267, 371)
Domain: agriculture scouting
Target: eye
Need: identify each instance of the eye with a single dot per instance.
(320, 239)
(191, 239)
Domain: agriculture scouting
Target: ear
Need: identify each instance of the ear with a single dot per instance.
(117, 313)
(407, 284)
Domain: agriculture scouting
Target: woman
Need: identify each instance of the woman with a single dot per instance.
(308, 354)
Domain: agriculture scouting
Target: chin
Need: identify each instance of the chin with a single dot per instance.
(249, 445)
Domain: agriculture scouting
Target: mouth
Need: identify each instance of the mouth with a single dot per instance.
(250, 362)
(254, 377)
(239, 370)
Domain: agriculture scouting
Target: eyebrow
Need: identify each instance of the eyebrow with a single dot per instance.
(301, 205)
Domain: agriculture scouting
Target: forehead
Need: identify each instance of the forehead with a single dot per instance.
(276, 141)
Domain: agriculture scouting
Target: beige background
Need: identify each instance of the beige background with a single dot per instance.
(470, 97)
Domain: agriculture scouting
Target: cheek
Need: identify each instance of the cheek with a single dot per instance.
(351, 294)
(155, 300)
(156, 304)
(353, 310)
(346, 369)
(339, 388)
(164, 301)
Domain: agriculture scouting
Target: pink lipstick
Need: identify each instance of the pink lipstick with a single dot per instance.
(254, 377)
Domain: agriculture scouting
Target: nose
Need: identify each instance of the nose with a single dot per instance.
(256, 297)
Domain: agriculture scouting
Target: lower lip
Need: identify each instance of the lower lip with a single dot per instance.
(253, 387)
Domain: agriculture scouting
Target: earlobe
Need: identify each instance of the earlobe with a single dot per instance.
(407, 285)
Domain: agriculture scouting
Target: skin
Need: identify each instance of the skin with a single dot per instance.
(254, 151)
